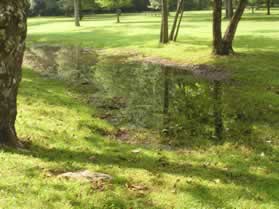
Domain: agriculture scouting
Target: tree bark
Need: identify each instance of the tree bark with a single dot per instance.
(77, 12)
(217, 31)
(164, 24)
(12, 45)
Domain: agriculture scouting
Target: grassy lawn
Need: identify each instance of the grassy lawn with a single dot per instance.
(56, 117)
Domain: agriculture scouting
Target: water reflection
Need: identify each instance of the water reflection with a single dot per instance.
(71, 63)
(136, 95)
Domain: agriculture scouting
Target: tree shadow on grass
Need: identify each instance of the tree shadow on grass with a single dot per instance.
(124, 158)
(45, 21)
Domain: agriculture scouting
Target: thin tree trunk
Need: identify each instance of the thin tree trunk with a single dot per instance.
(118, 18)
(179, 23)
(217, 31)
(178, 11)
(80, 10)
(230, 8)
(268, 5)
(164, 27)
(226, 9)
(77, 14)
(12, 45)
(118, 14)
(218, 110)
(166, 117)
(231, 29)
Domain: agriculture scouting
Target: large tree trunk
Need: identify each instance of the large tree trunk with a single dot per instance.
(77, 14)
(12, 44)
(164, 37)
(231, 30)
(268, 5)
(217, 31)
(223, 46)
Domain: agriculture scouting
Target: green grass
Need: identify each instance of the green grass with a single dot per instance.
(55, 117)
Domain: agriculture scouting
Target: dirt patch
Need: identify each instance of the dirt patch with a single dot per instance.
(207, 72)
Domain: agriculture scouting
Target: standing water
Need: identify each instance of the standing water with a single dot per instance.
(175, 103)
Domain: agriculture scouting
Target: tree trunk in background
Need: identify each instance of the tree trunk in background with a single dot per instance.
(164, 37)
(80, 10)
(178, 9)
(223, 46)
(76, 10)
(231, 30)
(179, 22)
(230, 8)
(268, 5)
(226, 9)
(217, 31)
(175, 27)
(12, 45)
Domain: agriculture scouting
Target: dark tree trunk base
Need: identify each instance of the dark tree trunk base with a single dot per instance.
(9, 138)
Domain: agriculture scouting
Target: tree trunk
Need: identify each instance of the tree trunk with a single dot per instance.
(217, 31)
(166, 101)
(164, 25)
(80, 10)
(231, 30)
(226, 9)
(77, 14)
(223, 46)
(230, 8)
(179, 23)
(178, 11)
(118, 14)
(218, 110)
(118, 18)
(12, 45)
(268, 5)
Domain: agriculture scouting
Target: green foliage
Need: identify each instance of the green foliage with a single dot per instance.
(155, 4)
(114, 4)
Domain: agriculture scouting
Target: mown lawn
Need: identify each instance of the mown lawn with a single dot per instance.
(55, 117)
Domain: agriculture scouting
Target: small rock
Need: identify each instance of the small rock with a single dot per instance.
(136, 151)
(86, 175)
